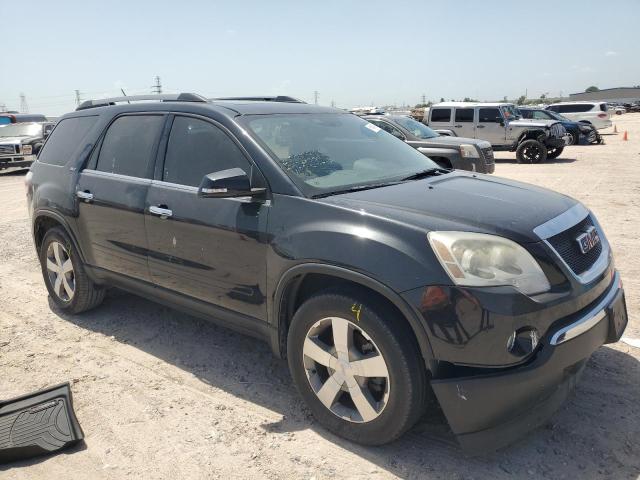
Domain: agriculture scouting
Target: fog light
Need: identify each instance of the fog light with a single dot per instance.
(523, 341)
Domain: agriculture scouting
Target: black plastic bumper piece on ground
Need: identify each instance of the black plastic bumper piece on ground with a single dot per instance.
(487, 412)
(37, 424)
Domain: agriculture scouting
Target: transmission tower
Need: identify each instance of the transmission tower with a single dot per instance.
(157, 87)
(424, 99)
(315, 97)
(24, 106)
(3, 107)
(78, 99)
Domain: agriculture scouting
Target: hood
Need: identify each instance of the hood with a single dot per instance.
(11, 140)
(463, 202)
(445, 140)
(529, 122)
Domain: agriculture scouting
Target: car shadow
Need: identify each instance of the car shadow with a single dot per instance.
(14, 173)
(553, 160)
(593, 435)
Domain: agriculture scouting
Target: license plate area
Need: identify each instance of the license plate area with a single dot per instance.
(617, 313)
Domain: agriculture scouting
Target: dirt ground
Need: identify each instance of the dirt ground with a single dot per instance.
(160, 394)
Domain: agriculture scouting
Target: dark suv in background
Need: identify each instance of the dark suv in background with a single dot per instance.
(448, 152)
(384, 279)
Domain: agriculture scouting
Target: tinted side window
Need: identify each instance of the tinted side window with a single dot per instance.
(129, 144)
(574, 108)
(604, 107)
(197, 148)
(541, 115)
(464, 114)
(527, 113)
(490, 115)
(440, 114)
(65, 140)
(554, 108)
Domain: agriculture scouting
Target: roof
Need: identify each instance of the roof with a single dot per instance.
(579, 102)
(471, 104)
(263, 108)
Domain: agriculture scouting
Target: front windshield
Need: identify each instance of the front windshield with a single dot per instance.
(418, 129)
(330, 152)
(21, 130)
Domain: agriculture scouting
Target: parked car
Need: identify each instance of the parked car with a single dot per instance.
(617, 109)
(21, 142)
(385, 281)
(595, 113)
(448, 152)
(7, 118)
(576, 129)
(499, 124)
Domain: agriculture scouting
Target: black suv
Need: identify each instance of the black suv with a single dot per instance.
(386, 281)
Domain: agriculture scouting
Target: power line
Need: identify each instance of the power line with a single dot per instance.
(157, 87)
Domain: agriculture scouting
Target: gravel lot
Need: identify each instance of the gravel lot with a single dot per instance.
(160, 394)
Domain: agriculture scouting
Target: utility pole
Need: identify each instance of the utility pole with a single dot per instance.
(333, 104)
(3, 107)
(78, 99)
(157, 87)
(24, 106)
(315, 96)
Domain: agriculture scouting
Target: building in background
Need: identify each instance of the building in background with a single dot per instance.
(612, 95)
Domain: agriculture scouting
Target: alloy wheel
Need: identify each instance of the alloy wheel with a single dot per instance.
(346, 370)
(532, 153)
(60, 271)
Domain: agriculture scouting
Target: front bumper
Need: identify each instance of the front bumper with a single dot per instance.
(489, 411)
(17, 161)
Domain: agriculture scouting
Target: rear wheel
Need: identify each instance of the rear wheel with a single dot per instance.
(554, 152)
(64, 275)
(357, 366)
(531, 151)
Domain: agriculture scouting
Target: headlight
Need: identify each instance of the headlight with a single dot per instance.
(585, 129)
(469, 151)
(481, 260)
(26, 149)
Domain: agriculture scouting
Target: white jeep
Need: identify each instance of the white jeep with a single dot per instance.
(500, 124)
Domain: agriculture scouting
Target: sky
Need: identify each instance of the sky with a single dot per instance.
(353, 53)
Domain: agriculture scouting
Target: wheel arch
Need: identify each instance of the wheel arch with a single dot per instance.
(304, 280)
(532, 134)
(44, 220)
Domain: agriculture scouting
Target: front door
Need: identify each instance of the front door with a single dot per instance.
(111, 192)
(464, 122)
(211, 249)
(491, 126)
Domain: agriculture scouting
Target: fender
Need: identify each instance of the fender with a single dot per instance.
(407, 311)
(45, 212)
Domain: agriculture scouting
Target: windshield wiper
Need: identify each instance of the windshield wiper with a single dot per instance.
(358, 188)
(429, 172)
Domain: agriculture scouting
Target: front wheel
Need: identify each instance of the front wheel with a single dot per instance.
(357, 366)
(531, 151)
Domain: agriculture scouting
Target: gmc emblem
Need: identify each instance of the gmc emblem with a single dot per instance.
(588, 240)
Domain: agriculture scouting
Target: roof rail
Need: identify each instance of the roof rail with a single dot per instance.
(174, 97)
(277, 98)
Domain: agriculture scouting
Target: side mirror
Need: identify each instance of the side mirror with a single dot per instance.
(226, 184)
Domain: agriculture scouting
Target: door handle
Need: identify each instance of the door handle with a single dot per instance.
(480, 126)
(85, 195)
(458, 126)
(163, 213)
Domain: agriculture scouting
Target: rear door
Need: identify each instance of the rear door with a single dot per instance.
(211, 249)
(491, 126)
(464, 122)
(112, 190)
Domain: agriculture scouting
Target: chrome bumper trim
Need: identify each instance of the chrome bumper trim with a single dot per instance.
(590, 319)
(562, 222)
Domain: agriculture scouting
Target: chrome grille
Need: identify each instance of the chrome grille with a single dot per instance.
(566, 245)
(7, 149)
(487, 153)
(557, 130)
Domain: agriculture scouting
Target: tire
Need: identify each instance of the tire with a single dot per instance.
(531, 151)
(554, 152)
(74, 292)
(575, 138)
(399, 399)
